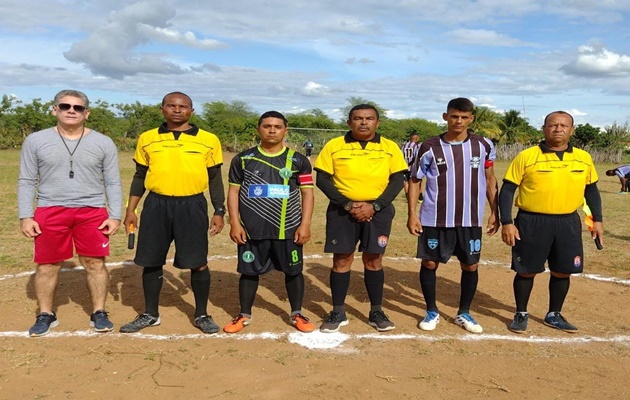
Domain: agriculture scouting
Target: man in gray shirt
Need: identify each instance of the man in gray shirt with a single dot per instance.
(71, 173)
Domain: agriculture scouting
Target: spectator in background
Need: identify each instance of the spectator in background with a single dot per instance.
(623, 172)
(308, 148)
(410, 150)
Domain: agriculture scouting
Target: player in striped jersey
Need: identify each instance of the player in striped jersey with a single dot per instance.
(458, 168)
(409, 150)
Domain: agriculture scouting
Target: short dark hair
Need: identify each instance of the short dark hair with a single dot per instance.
(363, 107)
(273, 114)
(559, 112)
(460, 104)
(178, 93)
(610, 172)
(413, 133)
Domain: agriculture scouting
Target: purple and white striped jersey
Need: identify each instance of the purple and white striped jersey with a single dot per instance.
(455, 180)
(409, 150)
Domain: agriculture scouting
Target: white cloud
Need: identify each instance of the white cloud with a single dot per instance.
(598, 61)
(485, 38)
(315, 89)
(188, 38)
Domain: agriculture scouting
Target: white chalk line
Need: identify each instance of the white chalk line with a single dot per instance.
(595, 277)
(322, 341)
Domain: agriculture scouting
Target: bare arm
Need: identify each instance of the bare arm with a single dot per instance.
(413, 221)
(303, 232)
(492, 194)
(237, 232)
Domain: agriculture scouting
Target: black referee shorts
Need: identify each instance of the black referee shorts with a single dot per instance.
(344, 232)
(165, 219)
(556, 239)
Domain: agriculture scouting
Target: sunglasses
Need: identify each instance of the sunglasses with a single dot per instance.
(66, 107)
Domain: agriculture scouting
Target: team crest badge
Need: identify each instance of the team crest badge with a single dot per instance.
(258, 190)
(248, 256)
(577, 261)
(432, 243)
(382, 241)
(285, 173)
(474, 162)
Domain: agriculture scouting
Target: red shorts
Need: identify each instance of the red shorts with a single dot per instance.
(61, 226)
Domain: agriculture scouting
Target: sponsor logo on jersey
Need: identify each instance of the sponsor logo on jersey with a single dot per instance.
(268, 191)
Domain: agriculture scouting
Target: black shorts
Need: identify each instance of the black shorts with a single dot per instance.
(344, 232)
(553, 238)
(257, 257)
(165, 219)
(406, 175)
(439, 244)
(308, 152)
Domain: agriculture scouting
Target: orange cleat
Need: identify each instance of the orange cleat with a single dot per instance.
(302, 323)
(238, 323)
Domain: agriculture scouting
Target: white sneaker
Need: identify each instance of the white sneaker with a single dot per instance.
(467, 322)
(430, 321)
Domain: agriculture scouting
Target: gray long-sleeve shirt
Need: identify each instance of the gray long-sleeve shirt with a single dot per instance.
(45, 167)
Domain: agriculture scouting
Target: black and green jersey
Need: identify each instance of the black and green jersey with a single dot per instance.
(269, 198)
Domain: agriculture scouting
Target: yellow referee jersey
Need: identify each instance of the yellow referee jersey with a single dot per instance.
(549, 185)
(178, 167)
(360, 174)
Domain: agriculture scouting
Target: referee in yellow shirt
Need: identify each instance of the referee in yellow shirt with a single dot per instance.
(176, 162)
(553, 179)
(361, 173)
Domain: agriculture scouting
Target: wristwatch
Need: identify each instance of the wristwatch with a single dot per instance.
(219, 211)
(377, 206)
(348, 205)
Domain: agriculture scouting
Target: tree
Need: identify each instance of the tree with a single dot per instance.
(138, 118)
(354, 101)
(399, 130)
(104, 120)
(313, 124)
(614, 137)
(233, 122)
(512, 124)
(34, 117)
(487, 123)
(585, 135)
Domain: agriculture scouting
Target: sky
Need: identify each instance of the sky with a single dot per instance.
(410, 57)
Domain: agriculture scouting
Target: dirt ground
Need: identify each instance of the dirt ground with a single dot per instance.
(269, 359)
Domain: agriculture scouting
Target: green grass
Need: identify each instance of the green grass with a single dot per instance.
(16, 250)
